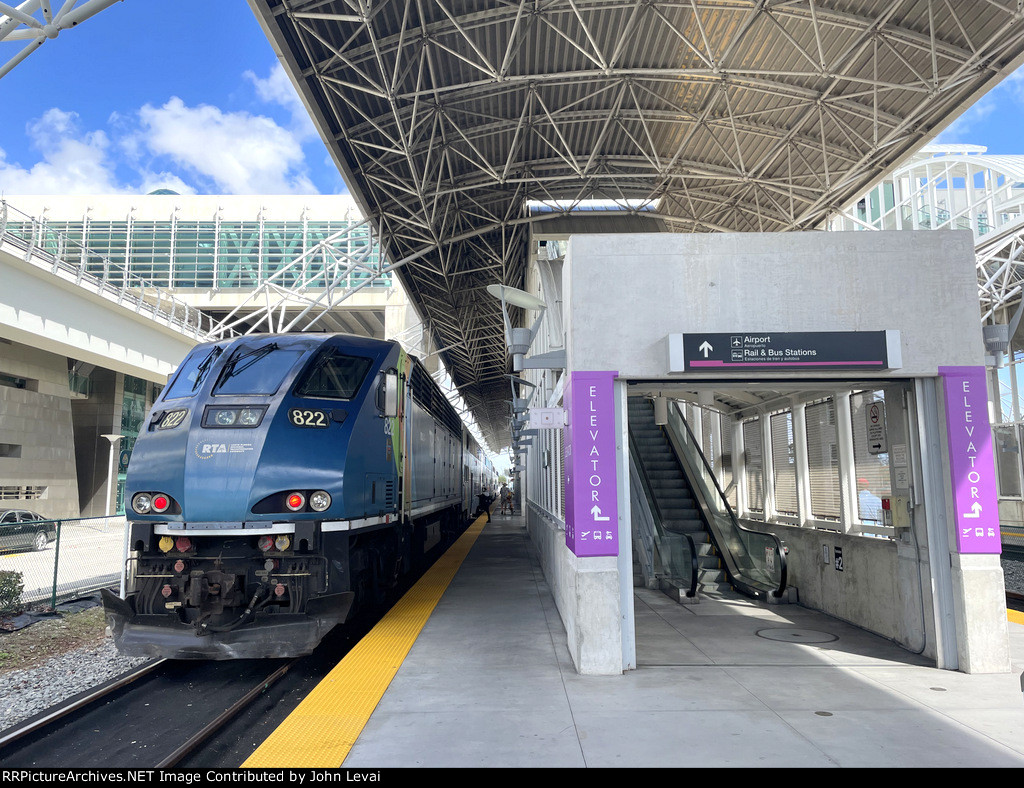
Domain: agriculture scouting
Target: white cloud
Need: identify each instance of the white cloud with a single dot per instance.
(963, 129)
(173, 146)
(278, 89)
(71, 163)
(240, 153)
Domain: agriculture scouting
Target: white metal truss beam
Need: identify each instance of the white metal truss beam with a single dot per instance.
(30, 24)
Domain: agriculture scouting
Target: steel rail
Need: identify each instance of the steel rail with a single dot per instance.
(77, 702)
(224, 717)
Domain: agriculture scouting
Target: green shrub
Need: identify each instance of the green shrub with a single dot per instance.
(11, 586)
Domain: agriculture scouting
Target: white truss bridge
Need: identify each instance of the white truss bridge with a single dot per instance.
(957, 187)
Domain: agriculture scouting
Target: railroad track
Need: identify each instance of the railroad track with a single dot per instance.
(137, 720)
(119, 723)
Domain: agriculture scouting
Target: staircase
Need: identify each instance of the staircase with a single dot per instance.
(675, 501)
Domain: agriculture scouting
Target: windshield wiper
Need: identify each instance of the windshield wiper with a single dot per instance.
(202, 368)
(232, 368)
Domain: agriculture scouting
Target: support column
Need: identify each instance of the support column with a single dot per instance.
(628, 625)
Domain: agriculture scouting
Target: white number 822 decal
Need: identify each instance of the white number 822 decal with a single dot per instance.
(308, 418)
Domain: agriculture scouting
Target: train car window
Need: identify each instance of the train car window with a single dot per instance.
(192, 372)
(259, 370)
(334, 376)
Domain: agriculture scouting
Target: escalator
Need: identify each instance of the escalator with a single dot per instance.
(697, 543)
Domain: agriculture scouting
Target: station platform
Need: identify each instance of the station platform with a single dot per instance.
(727, 682)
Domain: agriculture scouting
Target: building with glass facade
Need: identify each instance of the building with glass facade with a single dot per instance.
(199, 242)
(213, 251)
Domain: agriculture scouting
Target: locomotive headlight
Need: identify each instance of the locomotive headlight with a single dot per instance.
(319, 501)
(142, 503)
(233, 417)
(295, 501)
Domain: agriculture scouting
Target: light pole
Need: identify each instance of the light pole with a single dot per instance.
(114, 439)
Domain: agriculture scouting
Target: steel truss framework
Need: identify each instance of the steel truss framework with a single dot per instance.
(297, 295)
(957, 187)
(35, 21)
(447, 117)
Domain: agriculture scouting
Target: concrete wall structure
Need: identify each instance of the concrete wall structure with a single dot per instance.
(625, 294)
(923, 286)
(36, 431)
(872, 591)
(50, 313)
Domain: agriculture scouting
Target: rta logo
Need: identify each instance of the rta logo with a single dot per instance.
(206, 451)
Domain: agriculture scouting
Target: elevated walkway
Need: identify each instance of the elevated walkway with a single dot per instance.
(727, 682)
(51, 305)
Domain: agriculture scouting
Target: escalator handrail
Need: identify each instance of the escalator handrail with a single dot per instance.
(779, 547)
(651, 498)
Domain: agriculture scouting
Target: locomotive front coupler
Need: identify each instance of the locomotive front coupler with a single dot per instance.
(203, 627)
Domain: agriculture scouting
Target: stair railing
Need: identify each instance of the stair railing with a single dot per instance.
(755, 560)
(657, 535)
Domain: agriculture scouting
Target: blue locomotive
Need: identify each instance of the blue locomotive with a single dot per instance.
(279, 481)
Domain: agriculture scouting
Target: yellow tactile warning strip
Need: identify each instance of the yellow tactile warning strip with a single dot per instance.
(1015, 616)
(323, 728)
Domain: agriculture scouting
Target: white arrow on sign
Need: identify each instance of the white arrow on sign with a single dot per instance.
(976, 509)
(705, 348)
(596, 512)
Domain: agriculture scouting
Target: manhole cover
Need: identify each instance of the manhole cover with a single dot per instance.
(790, 635)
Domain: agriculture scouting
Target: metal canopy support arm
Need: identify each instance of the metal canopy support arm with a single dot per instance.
(23, 23)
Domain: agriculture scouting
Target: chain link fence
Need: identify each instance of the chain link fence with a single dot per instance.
(43, 563)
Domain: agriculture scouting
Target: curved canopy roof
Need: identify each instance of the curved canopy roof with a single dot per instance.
(447, 116)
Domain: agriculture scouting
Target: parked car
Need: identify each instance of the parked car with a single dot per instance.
(21, 529)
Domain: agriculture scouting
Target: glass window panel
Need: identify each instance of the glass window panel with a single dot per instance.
(725, 476)
(754, 465)
(256, 370)
(823, 461)
(1006, 446)
(1004, 400)
(872, 470)
(784, 464)
(334, 375)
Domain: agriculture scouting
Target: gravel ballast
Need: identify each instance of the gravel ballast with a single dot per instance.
(25, 693)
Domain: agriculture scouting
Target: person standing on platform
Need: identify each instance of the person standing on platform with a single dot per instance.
(484, 505)
(506, 499)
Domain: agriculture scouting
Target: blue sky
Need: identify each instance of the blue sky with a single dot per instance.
(188, 95)
(179, 94)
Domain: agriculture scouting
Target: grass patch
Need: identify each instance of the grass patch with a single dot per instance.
(50, 637)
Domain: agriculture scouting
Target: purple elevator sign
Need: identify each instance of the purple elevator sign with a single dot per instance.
(591, 499)
(970, 460)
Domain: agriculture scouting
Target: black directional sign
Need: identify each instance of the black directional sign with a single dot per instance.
(786, 350)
